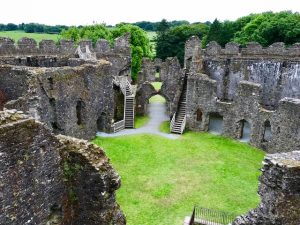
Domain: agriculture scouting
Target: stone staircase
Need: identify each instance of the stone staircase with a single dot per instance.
(129, 107)
(179, 118)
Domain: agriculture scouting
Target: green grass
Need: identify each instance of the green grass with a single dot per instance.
(165, 127)
(16, 35)
(157, 85)
(157, 98)
(141, 121)
(163, 179)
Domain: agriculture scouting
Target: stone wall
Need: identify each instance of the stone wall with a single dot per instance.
(72, 96)
(31, 187)
(279, 190)
(245, 87)
(172, 78)
(276, 68)
(71, 100)
(91, 183)
(53, 180)
(283, 122)
(13, 81)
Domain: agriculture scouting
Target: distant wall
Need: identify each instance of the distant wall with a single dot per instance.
(276, 68)
(281, 125)
(172, 77)
(14, 82)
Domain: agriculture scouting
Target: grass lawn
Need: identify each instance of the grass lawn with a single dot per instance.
(157, 98)
(162, 179)
(16, 35)
(140, 121)
(157, 85)
(165, 127)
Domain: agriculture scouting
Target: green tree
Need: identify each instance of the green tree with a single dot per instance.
(171, 42)
(139, 41)
(140, 45)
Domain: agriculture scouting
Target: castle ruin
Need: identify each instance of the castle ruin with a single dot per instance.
(52, 94)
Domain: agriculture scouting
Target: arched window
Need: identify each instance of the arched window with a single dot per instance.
(267, 131)
(245, 130)
(79, 112)
(199, 115)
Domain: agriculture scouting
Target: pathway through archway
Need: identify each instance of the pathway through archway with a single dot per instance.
(157, 115)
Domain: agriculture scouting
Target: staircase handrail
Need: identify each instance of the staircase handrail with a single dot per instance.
(183, 124)
(172, 121)
(119, 124)
(129, 86)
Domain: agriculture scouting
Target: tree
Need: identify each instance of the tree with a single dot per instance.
(163, 26)
(171, 42)
(139, 41)
(11, 27)
(140, 45)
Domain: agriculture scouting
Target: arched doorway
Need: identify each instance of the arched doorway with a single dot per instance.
(101, 122)
(119, 101)
(215, 125)
(267, 136)
(245, 130)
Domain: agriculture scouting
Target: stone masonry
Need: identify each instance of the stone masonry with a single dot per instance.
(53, 180)
(279, 190)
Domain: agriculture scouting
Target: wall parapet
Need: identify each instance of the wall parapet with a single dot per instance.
(28, 46)
(252, 49)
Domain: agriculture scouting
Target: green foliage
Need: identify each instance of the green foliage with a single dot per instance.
(72, 196)
(70, 170)
(140, 44)
(267, 28)
(162, 179)
(139, 41)
(16, 35)
(171, 42)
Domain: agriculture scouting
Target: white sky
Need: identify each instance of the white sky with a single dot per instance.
(84, 12)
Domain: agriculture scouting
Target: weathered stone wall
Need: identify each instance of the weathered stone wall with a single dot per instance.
(72, 100)
(53, 180)
(279, 190)
(13, 81)
(284, 122)
(72, 96)
(245, 86)
(172, 78)
(31, 188)
(91, 185)
(276, 68)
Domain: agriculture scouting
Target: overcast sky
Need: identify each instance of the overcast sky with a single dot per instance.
(85, 12)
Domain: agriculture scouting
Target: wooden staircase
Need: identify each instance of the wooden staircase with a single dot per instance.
(129, 107)
(178, 121)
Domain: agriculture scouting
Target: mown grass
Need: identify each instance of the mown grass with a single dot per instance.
(163, 179)
(141, 121)
(157, 85)
(165, 127)
(157, 98)
(16, 35)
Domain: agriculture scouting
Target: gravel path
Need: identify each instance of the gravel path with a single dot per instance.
(157, 114)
